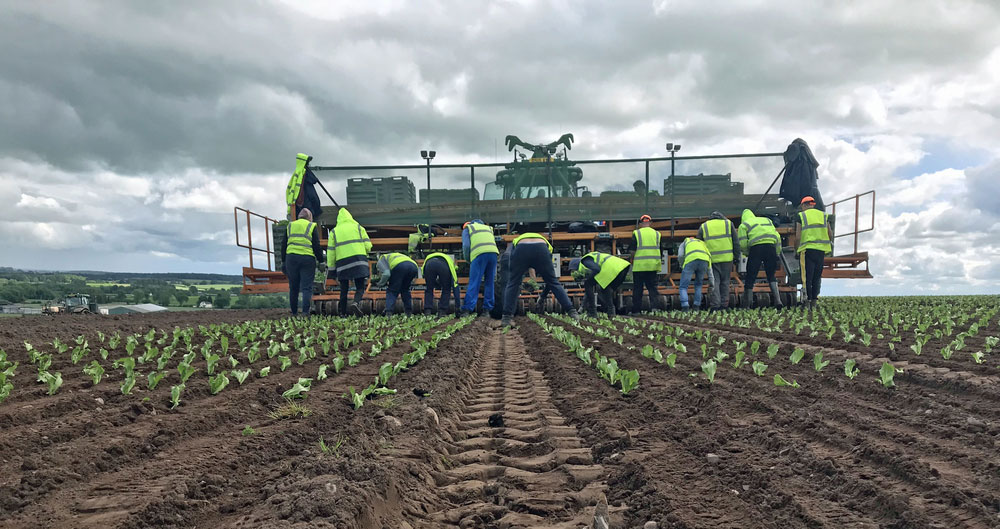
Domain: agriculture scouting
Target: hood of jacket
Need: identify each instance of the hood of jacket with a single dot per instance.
(747, 216)
(344, 216)
(717, 215)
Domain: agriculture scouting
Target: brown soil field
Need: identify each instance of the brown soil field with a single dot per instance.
(511, 431)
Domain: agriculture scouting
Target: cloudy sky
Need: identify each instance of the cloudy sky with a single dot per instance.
(131, 129)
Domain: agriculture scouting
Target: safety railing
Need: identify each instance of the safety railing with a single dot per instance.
(856, 228)
(268, 222)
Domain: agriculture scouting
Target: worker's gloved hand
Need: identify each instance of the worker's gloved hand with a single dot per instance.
(321, 267)
(578, 275)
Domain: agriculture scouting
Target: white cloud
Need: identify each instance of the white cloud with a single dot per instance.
(28, 201)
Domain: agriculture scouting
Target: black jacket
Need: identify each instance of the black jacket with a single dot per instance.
(800, 174)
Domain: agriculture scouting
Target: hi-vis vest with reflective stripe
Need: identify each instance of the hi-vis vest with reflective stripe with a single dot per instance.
(695, 250)
(647, 254)
(718, 237)
(533, 236)
(447, 258)
(481, 240)
(610, 265)
(347, 246)
(396, 258)
(761, 231)
(300, 233)
(295, 183)
(815, 235)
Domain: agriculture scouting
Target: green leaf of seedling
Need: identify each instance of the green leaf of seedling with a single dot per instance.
(781, 382)
(758, 367)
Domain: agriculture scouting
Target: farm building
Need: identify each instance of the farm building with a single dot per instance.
(142, 308)
(7, 307)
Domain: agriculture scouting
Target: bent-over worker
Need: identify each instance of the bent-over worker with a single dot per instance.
(603, 273)
(398, 271)
(695, 262)
(439, 273)
(479, 247)
(532, 250)
(760, 242)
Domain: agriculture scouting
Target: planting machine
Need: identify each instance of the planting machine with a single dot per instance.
(540, 191)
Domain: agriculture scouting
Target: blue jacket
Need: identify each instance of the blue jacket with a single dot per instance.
(466, 242)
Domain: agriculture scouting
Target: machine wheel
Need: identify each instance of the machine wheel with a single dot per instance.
(673, 302)
(763, 299)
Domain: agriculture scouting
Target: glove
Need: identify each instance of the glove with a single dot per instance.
(321, 267)
(578, 275)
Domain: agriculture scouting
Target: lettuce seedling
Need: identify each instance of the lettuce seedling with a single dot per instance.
(781, 382)
(53, 380)
(797, 355)
(709, 369)
(739, 359)
(338, 363)
(252, 354)
(818, 362)
(886, 373)
(754, 347)
(851, 369)
(155, 378)
(629, 380)
(210, 362)
(285, 362)
(758, 367)
(772, 350)
(233, 362)
(95, 371)
(979, 357)
(671, 360)
(357, 399)
(128, 384)
(218, 383)
(185, 370)
(264, 371)
(175, 395)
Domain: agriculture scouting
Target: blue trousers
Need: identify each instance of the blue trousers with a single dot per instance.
(537, 256)
(483, 264)
(696, 270)
(400, 281)
(301, 270)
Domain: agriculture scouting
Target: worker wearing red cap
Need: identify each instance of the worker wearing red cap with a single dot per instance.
(646, 264)
(814, 242)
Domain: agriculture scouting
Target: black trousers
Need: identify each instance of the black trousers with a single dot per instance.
(437, 275)
(360, 283)
(812, 267)
(762, 255)
(400, 281)
(645, 280)
(607, 295)
(301, 270)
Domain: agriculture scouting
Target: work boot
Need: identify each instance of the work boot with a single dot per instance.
(776, 295)
(355, 309)
(506, 321)
(428, 312)
(748, 299)
(685, 308)
(574, 314)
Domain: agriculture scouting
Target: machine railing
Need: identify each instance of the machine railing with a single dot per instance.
(857, 229)
(268, 222)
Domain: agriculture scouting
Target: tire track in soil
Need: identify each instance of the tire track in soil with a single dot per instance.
(534, 471)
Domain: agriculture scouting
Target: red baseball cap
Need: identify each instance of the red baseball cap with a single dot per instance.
(808, 200)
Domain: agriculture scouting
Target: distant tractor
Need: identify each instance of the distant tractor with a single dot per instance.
(73, 304)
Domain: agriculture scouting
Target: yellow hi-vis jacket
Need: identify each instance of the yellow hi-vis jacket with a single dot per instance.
(447, 258)
(647, 255)
(348, 245)
(295, 183)
(610, 265)
(815, 231)
(718, 237)
(300, 234)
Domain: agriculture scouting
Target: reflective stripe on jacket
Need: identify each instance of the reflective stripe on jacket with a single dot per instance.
(481, 240)
(695, 250)
(300, 233)
(610, 265)
(815, 231)
(647, 254)
(718, 237)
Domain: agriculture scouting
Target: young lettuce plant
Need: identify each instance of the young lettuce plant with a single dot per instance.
(979, 357)
(95, 371)
(886, 374)
(175, 395)
(264, 371)
(819, 363)
(772, 351)
(128, 384)
(781, 382)
(709, 368)
(629, 379)
(53, 380)
(297, 390)
(797, 355)
(758, 367)
(285, 362)
(321, 375)
(218, 383)
(671, 360)
(851, 369)
(739, 360)
(154, 378)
